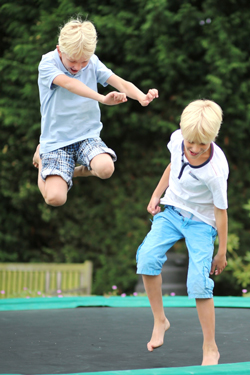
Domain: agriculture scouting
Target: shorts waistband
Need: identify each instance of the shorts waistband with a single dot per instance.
(186, 214)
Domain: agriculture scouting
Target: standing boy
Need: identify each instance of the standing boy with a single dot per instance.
(71, 124)
(195, 186)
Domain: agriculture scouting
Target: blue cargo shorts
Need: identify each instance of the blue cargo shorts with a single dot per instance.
(61, 162)
(167, 228)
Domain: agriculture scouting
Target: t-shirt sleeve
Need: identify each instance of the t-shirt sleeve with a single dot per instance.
(218, 188)
(169, 145)
(103, 73)
(48, 71)
(175, 137)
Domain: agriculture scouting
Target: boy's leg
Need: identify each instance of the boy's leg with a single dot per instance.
(206, 313)
(200, 239)
(96, 159)
(54, 189)
(153, 286)
(102, 166)
(151, 256)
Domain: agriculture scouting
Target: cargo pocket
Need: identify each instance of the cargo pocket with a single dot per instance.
(209, 283)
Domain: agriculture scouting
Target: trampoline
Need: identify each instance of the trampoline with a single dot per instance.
(108, 336)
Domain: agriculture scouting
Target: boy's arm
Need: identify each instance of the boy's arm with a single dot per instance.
(77, 87)
(153, 206)
(220, 261)
(131, 90)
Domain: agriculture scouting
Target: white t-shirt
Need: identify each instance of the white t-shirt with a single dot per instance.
(197, 189)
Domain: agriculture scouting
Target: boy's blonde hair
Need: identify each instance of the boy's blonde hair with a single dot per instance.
(77, 39)
(201, 121)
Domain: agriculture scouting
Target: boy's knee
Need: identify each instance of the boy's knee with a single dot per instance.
(200, 287)
(55, 191)
(148, 265)
(102, 166)
(55, 200)
(106, 171)
(199, 283)
(150, 257)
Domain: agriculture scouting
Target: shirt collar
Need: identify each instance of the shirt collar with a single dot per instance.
(57, 58)
(201, 165)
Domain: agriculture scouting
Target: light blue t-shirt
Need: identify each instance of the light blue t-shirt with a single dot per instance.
(68, 118)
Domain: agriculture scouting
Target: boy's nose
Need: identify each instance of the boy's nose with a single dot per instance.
(195, 148)
(78, 66)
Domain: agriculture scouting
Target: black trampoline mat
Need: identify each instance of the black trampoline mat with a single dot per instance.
(111, 339)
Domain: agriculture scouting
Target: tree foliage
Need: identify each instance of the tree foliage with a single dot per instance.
(187, 50)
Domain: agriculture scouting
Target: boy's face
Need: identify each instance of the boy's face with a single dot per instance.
(72, 66)
(195, 150)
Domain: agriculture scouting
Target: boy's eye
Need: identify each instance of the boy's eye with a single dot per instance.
(75, 62)
(200, 144)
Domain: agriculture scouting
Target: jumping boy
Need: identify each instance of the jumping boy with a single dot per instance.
(195, 200)
(71, 125)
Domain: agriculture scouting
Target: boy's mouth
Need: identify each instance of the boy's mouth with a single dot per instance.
(193, 153)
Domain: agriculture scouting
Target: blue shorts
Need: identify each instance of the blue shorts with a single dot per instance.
(167, 228)
(61, 162)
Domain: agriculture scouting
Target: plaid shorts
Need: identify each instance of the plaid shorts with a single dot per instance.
(61, 162)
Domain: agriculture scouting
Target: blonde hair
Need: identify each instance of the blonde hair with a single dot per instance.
(201, 121)
(78, 38)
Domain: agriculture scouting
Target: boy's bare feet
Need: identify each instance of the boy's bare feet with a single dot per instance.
(36, 157)
(210, 357)
(157, 338)
(82, 171)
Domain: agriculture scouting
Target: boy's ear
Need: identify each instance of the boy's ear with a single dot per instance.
(58, 50)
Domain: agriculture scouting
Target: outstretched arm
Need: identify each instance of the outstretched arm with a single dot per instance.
(132, 91)
(153, 206)
(220, 260)
(77, 87)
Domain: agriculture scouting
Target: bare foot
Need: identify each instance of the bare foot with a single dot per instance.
(157, 338)
(36, 157)
(82, 171)
(210, 357)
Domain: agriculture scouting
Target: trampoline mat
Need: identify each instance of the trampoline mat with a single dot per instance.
(111, 339)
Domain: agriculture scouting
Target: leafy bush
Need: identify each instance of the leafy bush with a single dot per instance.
(186, 49)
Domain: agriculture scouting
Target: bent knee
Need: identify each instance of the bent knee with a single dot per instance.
(148, 264)
(106, 171)
(55, 200)
(201, 287)
(55, 191)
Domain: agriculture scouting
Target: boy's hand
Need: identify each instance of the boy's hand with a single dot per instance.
(218, 264)
(153, 206)
(151, 95)
(114, 98)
